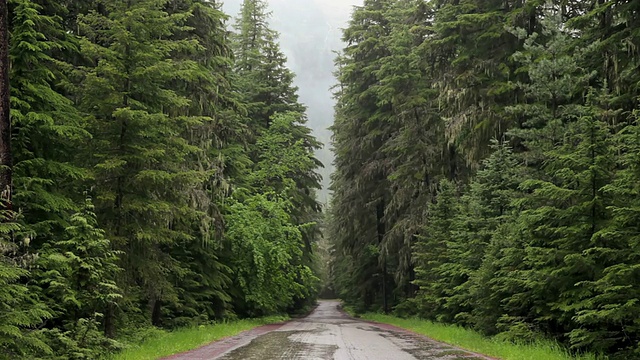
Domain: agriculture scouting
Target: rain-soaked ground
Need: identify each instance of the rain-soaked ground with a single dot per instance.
(327, 333)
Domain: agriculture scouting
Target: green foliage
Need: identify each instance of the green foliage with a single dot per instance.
(266, 84)
(474, 341)
(528, 237)
(159, 344)
(20, 310)
(76, 277)
(142, 107)
(267, 247)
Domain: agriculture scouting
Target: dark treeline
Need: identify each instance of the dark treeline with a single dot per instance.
(163, 174)
(488, 167)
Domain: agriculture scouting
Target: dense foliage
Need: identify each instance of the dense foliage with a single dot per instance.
(163, 174)
(487, 167)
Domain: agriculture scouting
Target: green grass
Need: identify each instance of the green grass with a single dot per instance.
(473, 341)
(166, 343)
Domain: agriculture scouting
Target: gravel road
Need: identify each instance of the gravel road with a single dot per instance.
(327, 334)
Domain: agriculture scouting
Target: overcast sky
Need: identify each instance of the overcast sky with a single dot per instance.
(310, 32)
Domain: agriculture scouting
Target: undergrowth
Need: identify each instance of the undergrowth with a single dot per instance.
(476, 342)
(160, 343)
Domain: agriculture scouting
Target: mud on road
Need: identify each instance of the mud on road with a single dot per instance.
(328, 334)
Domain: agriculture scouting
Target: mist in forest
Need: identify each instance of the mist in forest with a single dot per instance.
(310, 34)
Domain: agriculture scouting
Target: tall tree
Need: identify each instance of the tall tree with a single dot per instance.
(263, 77)
(266, 86)
(143, 182)
(6, 158)
(360, 131)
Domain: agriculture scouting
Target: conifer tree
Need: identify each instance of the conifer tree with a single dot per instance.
(431, 253)
(263, 77)
(20, 310)
(539, 242)
(462, 234)
(266, 86)
(360, 130)
(608, 316)
(416, 144)
(563, 216)
(6, 160)
(43, 118)
(139, 152)
(76, 277)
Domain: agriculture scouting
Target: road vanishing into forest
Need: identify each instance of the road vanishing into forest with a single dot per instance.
(327, 333)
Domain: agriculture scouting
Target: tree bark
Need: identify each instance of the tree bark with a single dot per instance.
(109, 320)
(6, 158)
(381, 232)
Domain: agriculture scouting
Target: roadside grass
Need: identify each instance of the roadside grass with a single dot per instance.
(475, 342)
(166, 343)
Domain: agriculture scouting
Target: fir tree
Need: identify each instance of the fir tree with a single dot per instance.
(138, 153)
(360, 130)
(76, 277)
(608, 316)
(20, 310)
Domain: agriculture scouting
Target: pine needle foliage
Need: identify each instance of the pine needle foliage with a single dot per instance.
(485, 156)
(149, 159)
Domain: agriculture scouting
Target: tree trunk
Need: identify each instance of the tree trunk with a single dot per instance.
(109, 321)
(6, 158)
(156, 313)
(381, 231)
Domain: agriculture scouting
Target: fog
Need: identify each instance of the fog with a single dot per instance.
(310, 33)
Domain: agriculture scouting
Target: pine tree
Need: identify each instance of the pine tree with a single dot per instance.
(266, 86)
(76, 277)
(6, 157)
(481, 211)
(20, 309)
(218, 139)
(431, 253)
(360, 130)
(139, 151)
(416, 143)
(48, 128)
(608, 316)
(609, 28)
(263, 78)
(471, 51)
(562, 217)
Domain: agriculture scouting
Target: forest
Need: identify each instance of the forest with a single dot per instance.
(156, 171)
(488, 167)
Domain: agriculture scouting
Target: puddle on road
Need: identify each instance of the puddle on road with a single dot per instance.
(278, 345)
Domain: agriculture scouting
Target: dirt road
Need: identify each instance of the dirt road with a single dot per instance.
(324, 335)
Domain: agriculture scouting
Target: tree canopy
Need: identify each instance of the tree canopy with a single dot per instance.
(485, 167)
(162, 174)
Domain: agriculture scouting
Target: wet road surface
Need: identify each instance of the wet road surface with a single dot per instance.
(327, 333)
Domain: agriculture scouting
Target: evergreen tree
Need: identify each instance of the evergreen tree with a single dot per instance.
(460, 236)
(20, 310)
(471, 51)
(262, 75)
(416, 143)
(360, 130)
(431, 253)
(76, 277)
(266, 86)
(608, 316)
(47, 126)
(139, 153)
(562, 217)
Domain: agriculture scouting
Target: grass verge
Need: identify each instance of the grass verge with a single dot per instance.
(473, 341)
(167, 343)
